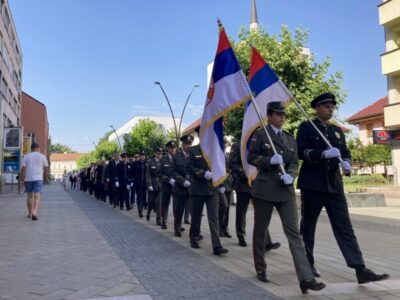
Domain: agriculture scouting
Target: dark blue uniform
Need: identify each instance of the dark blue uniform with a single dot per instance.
(125, 179)
(112, 178)
(139, 181)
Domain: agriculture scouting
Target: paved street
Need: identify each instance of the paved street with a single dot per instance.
(83, 249)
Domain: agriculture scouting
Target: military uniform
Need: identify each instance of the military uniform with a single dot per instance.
(269, 191)
(225, 197)
(112, 179)
(202, 192)
(166, 187)
(152, 180)
(125, 180)
(139, 181)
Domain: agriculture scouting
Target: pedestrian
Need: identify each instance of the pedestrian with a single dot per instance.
(274, 188)
(203, 192)
(182, 184)
(34, 170)
(167, 182)
(321, 185)
(65, 178)
(153, 185)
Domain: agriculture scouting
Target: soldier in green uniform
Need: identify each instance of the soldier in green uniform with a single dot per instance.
(153, 185)
(274, 188)
(203, 192)
(182, 183)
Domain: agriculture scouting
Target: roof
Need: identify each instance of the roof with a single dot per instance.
(65, 156)
(192, 127)
(373, 110)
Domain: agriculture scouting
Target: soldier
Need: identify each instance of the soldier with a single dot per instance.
(243, 197)
(321, 186)
(153, 185)
(202, 191)
(132, 191)
(112, 180)
(139, 178)
(273, 188)
(167, 181)
(125, 181)
(182, 183)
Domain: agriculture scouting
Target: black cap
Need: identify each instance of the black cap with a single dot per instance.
(158, 150)
(171, 144)
(142, 152)
(34, 146)
(276, 106)
(187, 138)
(124, 154)
(325, 97)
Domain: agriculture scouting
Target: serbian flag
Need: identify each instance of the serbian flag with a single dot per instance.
(266, 87)
(228, 89)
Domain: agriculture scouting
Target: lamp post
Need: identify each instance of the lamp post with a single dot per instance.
(119, 142)
(177, 130)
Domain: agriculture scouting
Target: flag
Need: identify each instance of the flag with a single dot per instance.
(228, 89)
(266, 87)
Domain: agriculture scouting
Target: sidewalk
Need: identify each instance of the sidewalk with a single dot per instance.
(83, 249)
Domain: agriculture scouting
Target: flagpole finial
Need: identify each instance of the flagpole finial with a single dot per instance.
(220, 25)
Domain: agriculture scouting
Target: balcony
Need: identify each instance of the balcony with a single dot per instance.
(391, 62)
(392, 114)
(389, 12)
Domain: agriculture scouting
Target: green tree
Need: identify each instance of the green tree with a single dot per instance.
(303, 75)
(106, 149)
(146, 135)
(85, 160)
(105, 137)
(59, 148)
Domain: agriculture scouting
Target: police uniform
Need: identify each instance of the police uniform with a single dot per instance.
(125, 180)
(154, 187)
(139, 181)
(269, 190)
(112, 179)
(182, 184)
(167, 183)
(321, 185)
(203, 192)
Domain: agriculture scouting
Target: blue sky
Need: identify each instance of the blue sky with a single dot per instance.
(94, 62)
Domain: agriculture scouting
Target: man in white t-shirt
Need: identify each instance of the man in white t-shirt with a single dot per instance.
(34, 170)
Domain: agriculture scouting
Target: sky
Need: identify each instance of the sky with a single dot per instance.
(93, 63)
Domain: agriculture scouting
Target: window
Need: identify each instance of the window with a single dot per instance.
(4, 87)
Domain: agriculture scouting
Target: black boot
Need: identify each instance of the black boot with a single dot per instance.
(311, 284)
(366, 275)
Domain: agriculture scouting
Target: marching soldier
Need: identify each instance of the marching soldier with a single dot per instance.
(321, 186)
(243, 197)
(112, 180)
(132, 192)
(272, 188)
(139, 178)
(182, 183)
(100, 180)
(153, 185)
(203, 192)
(125, 181)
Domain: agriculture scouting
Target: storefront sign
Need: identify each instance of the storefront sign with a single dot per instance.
(381, 137)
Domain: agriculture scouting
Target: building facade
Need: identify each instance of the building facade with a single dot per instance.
(389, 18)
(60, 162)
(10, 74)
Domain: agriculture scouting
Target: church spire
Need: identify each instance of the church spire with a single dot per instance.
(253, 18)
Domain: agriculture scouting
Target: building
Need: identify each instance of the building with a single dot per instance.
(10, 74)
(389, 18)
(60, 162)
(35, 123)
(369, 119)
(166, 123)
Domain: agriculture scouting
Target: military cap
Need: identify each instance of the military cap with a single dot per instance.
(158, 150)
(171, 144)
(142, 152)
(187, 138)
(325, 97)
(124, 154)
(276, 106)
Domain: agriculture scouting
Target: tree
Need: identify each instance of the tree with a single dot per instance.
(105, 137)
(303, 76)
(86, 160)
(59, 148)
(146, 135)
(105, 149)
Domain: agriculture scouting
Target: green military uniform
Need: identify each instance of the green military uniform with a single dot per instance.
(269, 191)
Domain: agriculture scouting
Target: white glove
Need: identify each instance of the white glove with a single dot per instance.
(276, 159)
(172, 181)
(150, 188)
(287, 179)
(332, 152)
(221, 189)
(128, 187)
(208, 175)
(116, 184)
(186, 183)
(345, 165)
(108, 179)
(132, 184)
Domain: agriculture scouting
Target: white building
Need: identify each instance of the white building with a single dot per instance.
(166, 123)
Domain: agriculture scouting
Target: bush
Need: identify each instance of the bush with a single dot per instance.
(375, 179)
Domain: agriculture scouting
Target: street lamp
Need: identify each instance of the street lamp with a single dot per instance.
(119, 142)
(177, 131)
